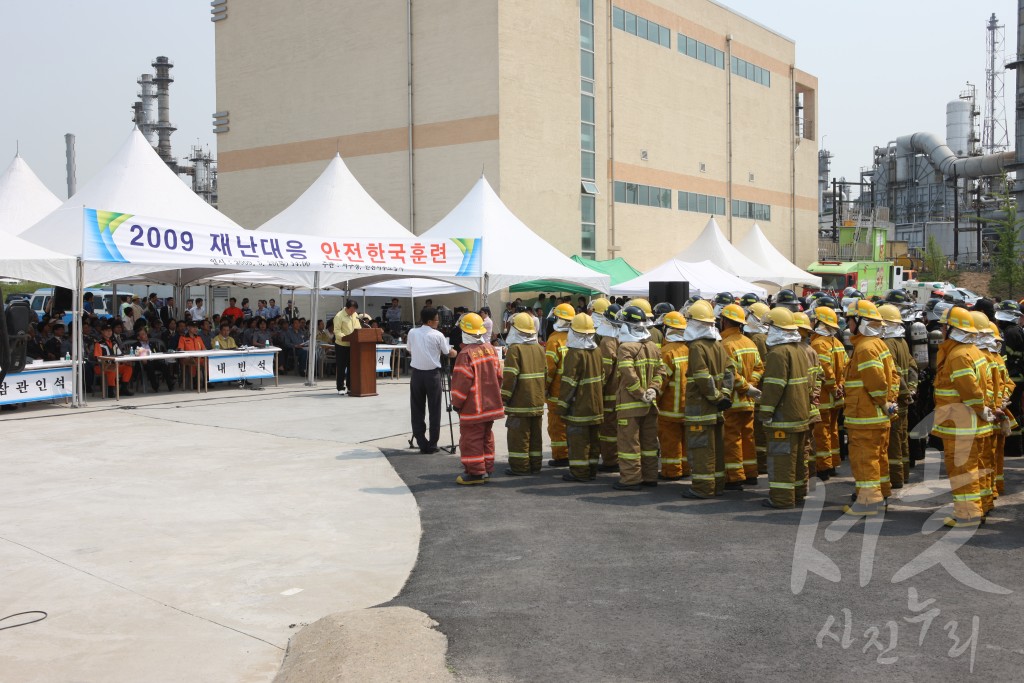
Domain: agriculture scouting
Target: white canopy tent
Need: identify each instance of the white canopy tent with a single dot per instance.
(23, 260)
(24, 200)
(711, 245)
(706, 279)
(137, 181)
(512, 252)
(757, 247)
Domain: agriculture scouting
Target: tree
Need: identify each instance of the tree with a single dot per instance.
(936, 264)
(1007, 270)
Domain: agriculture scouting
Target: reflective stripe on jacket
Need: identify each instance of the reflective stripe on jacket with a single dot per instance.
(476, 384)
(786, 388)
(871, 382)
(960, 388)
(704, 376)
(522, 380)
(580, 399)
(747, 366)
(675, 357)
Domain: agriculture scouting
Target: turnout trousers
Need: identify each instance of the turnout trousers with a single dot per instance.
(609, 439)
(962, 456)
(525, 443)
(760, 449)
(787, 467)
(869, 461)
(1000, 451)
(986, 472)
(738, 435)
(672, 437)
(705, 449)
(584, 449)
(638, 448)
(476, 447)
(826, 440)
(899, 448)
(556, 432)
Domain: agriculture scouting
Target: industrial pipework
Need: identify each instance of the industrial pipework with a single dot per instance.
(946, 161)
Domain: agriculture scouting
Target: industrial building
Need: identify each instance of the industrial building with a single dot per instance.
(611, 128)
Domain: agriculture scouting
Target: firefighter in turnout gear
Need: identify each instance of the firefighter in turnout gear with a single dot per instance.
(832, 360)
(757, 332)
(522, 392)
(640, 379)
(1008, 316)
(581, 399)
(872, 385)
(672, 402)
(985, 342)
(785, 410)
(1008, 423)
(554, 354)
(645, 306)
(961, 417)
(803, 325)
(607, 326)
(476, 396)
(708, 393)
(894, 336)
(738, 429)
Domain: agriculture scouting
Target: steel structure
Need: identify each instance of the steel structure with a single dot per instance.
(994, 134)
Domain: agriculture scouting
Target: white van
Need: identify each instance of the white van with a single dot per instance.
(921, 291)
(103, 301)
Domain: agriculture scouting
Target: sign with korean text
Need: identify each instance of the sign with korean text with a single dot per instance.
(36, 385)
(231, 368)
(384, 360)
(112, 237)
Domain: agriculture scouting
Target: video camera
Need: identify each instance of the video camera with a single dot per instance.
(14, 326)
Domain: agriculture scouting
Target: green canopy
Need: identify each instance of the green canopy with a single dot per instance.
(617, 269)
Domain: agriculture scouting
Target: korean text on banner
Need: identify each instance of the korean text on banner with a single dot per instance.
(234, 367)
(36, 385)
(126, 238)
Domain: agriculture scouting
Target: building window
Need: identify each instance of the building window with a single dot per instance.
(588, 226)
(691, 201)
(643, 195)
(702, 51)
(753, 210)
(640, 27)
(751, 72)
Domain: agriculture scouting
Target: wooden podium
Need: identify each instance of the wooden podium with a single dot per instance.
(362, 375)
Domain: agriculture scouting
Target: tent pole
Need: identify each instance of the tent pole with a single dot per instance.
(314, 345)
(78, 342)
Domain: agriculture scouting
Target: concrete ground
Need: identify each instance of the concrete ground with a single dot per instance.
(176, 537)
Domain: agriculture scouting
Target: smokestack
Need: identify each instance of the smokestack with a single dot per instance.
(147, 118)
(164, 128)
(69, 143)
(1017, 65)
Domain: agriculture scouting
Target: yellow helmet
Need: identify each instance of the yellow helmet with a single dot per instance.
(801, 320)
(995, 331)
(583, 324)
(890, 313)
(981, 321)
(735, 313)
(862, 308)
(564, 312)
(960, 319)
(600, 305)
(826, 316)
(643, 304)
(524, 323)
(702, 311)
(471, 323)
(758, 309)
(675, 320)
(780, 317)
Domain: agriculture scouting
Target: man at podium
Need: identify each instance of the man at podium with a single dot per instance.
(344, 324)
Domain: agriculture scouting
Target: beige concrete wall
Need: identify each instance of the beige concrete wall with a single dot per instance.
(331, 76)
(540, 118)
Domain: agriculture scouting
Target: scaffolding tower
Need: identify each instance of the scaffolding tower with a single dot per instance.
(994, 136)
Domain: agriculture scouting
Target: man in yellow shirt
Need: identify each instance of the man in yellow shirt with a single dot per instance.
(345, 323)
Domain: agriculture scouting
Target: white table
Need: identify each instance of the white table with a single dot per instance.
(41, 381)
(202, 368)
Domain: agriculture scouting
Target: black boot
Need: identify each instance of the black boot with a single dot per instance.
(125, 391)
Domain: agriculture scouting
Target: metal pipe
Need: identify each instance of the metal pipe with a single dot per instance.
(412, 153)
(69, 152)
(956, 219)
(314, 345)
(947, 163)
(728, 129)
(792, 167)
(611, 134)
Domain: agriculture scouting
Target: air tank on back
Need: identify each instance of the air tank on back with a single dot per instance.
(958, 127)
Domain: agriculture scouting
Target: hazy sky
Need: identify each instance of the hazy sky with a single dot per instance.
(885, 68)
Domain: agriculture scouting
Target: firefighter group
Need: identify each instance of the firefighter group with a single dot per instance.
(723, 392)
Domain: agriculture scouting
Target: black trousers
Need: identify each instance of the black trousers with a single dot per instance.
(343, 359)
(425, 388)
(155, 369)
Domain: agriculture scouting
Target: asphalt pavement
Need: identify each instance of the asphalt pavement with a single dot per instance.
(536, 579)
